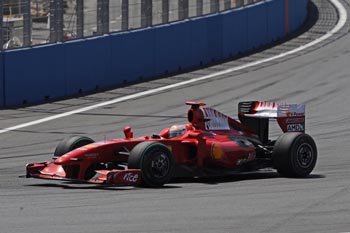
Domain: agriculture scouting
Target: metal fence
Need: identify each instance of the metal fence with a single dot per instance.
(32, 22)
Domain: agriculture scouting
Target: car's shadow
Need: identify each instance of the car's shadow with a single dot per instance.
(237, 178)
(82, 186)
(174, 183)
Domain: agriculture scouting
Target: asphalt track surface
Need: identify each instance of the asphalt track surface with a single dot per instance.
(258, 202)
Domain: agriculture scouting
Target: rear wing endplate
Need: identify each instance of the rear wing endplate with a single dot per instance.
(255, 114)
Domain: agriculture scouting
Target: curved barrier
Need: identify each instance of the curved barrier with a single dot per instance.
(2, 81)
(73, 67)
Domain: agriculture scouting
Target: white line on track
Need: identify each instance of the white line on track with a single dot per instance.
(342, 19)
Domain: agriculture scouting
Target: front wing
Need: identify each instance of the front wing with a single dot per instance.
(49, 170)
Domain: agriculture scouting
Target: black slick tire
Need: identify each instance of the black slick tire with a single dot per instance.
(155, 161)
(294, 155)
(71, 143)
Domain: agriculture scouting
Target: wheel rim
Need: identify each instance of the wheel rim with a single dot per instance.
(159, 165)
(305, 155)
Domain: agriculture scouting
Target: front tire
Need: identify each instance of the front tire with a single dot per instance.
(294, 155)
(71, 143)
(155, 161)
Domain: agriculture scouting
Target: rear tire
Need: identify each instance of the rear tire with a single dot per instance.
(71, 143)
(294, 154)
(155, 161)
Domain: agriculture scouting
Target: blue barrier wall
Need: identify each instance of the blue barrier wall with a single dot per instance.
(32, 75)
(235, 35)
(2, 94)
(276, 20)
(87, 64)
(214, 36)
(199, 42)
(132, 58)
(297, 13)
(257, 25)
(171, 48)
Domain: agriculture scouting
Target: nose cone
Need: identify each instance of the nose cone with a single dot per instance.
(62, 160)
(76, 155)
(69, 158)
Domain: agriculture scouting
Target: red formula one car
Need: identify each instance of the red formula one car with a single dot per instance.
(210, 144)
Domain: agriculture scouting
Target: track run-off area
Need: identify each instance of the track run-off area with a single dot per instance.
(311, 68)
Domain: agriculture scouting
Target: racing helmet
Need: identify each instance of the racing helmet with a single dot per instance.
(177, 130)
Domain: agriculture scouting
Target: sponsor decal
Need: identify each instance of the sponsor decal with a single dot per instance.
(295, 128)
(216, 120)
(130, 177)
(295, 120)
(291, 110)
(293, 114)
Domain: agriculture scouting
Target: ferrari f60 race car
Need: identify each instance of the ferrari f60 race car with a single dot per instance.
(210, 144)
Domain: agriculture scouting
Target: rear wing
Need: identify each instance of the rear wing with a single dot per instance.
(256, 115)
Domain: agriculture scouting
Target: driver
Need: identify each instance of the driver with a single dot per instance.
(177, 130)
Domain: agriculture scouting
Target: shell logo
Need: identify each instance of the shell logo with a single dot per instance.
(217, 152)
